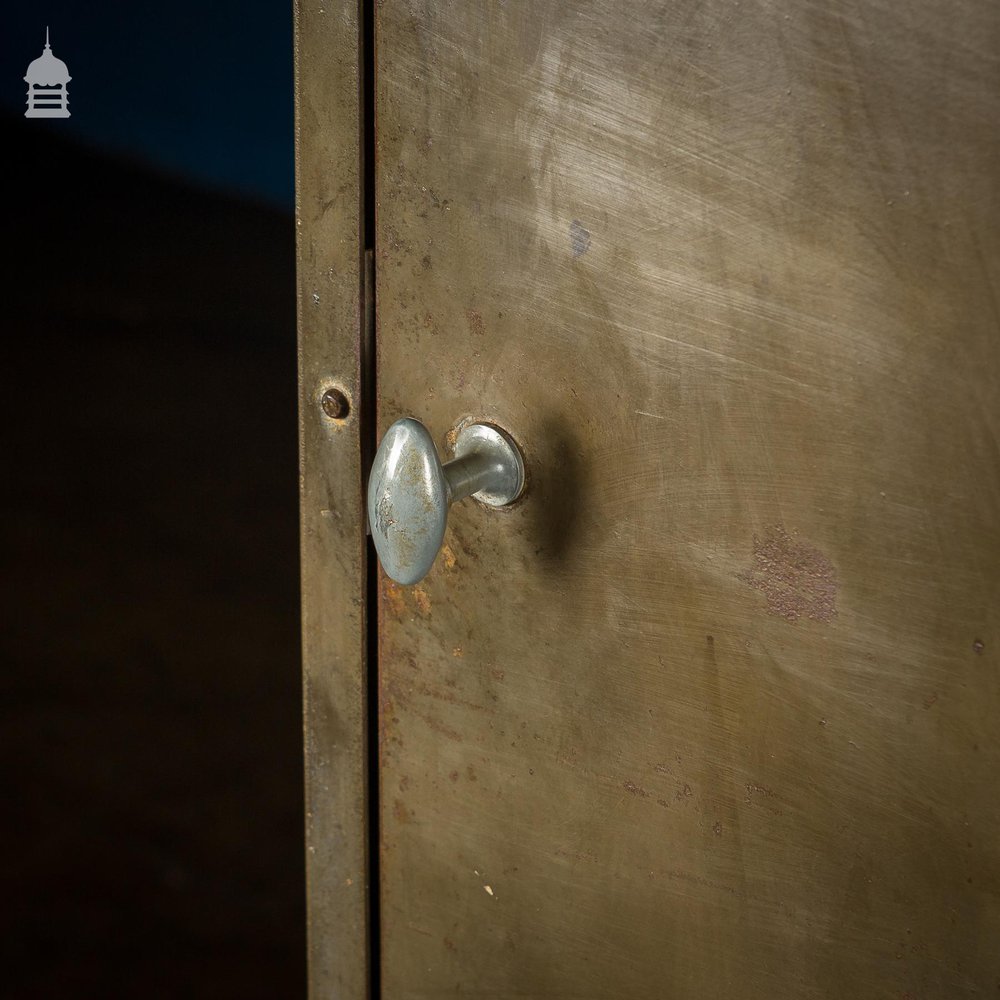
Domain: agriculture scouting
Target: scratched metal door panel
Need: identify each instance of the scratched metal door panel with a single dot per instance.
(712, 710)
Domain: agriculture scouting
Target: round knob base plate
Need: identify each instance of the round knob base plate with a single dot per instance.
(486, 440)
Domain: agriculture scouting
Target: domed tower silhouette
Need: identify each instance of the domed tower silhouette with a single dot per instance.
(47, 80)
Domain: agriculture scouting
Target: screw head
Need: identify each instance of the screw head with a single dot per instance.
(335, 404)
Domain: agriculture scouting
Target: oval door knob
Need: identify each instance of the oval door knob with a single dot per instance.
(409, 490)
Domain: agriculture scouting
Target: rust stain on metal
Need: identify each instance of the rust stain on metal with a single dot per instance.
(475, 321)
(450, 698)
(422, 600)
(393, 594)
(440, 727)
(796, 578)
(401, 812)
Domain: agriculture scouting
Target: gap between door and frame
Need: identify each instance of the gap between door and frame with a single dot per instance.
(368, 434)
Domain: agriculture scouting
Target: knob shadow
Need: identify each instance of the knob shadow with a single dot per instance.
(557, 490)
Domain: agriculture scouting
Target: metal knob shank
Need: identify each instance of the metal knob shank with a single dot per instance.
(409, 490)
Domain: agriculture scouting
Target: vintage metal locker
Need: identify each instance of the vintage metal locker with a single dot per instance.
(710, 709)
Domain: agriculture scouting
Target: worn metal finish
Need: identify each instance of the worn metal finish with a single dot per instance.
(332, 512)
(409, 490)
(487, 466)
(712, 711)
(407, 501)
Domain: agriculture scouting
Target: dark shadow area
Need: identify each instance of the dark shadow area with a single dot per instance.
(151, 729)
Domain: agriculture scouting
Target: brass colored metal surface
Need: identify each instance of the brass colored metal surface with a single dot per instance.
(332, 513)
(712, 710)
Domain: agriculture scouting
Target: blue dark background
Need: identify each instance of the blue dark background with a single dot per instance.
(150, 695)
(203, 90)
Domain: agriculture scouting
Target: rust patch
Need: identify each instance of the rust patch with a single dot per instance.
(422, 600)
(448, 556)
(475, 321)
(440, 727)
(400, 811)
(450, 698)
(797, 579)
(929, 701)
(393, 594)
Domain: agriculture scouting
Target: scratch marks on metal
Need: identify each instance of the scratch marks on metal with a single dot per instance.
(579, 239)
(796, 578)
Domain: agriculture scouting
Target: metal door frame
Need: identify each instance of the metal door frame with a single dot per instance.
(334, 156)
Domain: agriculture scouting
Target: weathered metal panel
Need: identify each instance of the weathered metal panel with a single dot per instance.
(332, 521)
(711, 712)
